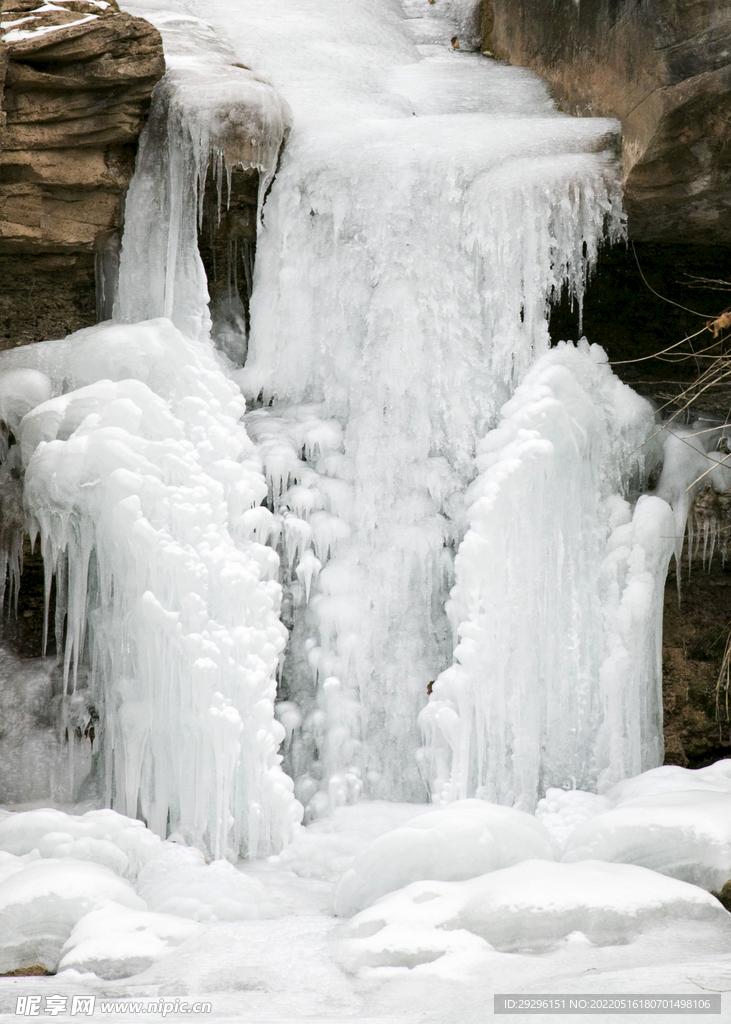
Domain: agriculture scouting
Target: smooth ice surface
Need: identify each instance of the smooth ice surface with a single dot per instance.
(692, 463)
(558, 598)
(442, 230)
(466, 839)
(139, 478)
(530, 906)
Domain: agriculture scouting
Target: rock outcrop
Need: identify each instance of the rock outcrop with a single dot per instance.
(663, 67)
(75, 83)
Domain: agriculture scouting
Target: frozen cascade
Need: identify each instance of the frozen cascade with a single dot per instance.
(428, 207)
(447, 203)
(142, 484)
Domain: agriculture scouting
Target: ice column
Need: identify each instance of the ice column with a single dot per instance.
(145, 490)
(557, 604)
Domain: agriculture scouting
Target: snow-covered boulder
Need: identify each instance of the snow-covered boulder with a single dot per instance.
(529, 907)
(685, 833)
(115, 942)
(463, 840)
(41, 903)
(102, 836)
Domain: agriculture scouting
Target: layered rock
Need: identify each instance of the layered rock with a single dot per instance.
(77, 76)
(663, 67)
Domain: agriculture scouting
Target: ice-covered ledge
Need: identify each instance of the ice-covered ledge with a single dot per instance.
(214, 125)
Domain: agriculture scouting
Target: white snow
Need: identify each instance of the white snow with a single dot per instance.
(115, 942)
(433, 948)
(41, 903)
(685, 834)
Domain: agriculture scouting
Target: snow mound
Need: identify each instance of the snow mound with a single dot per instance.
(41, 903)
(103, 837)
(180, 882)
(114, 942)
(465, 839)
(685, 834)
(671, 778)
(529, 907)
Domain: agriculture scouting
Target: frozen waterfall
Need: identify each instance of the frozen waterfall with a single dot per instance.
(427, 207)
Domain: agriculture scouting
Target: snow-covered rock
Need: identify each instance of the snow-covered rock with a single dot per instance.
(41, 904)
(463, 840)
(114, 942)
(529, 907)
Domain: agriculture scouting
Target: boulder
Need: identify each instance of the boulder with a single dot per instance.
(663, 67)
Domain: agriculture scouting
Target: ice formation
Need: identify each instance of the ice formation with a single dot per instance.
(558, 597)
(207, 112)
(691, 463)
(428, 207)
(141, 482)
(466, 839)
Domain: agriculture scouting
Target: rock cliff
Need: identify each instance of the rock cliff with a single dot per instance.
(75, 83)
(663, 67)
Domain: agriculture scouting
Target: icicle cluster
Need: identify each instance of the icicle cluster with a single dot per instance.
(144, 488)
(208, 111)
(557, 605)
(696, 471)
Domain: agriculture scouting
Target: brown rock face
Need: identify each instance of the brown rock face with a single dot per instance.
(75, 83)
(663, 67)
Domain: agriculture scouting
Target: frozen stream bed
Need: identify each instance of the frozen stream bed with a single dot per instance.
(590, 895)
